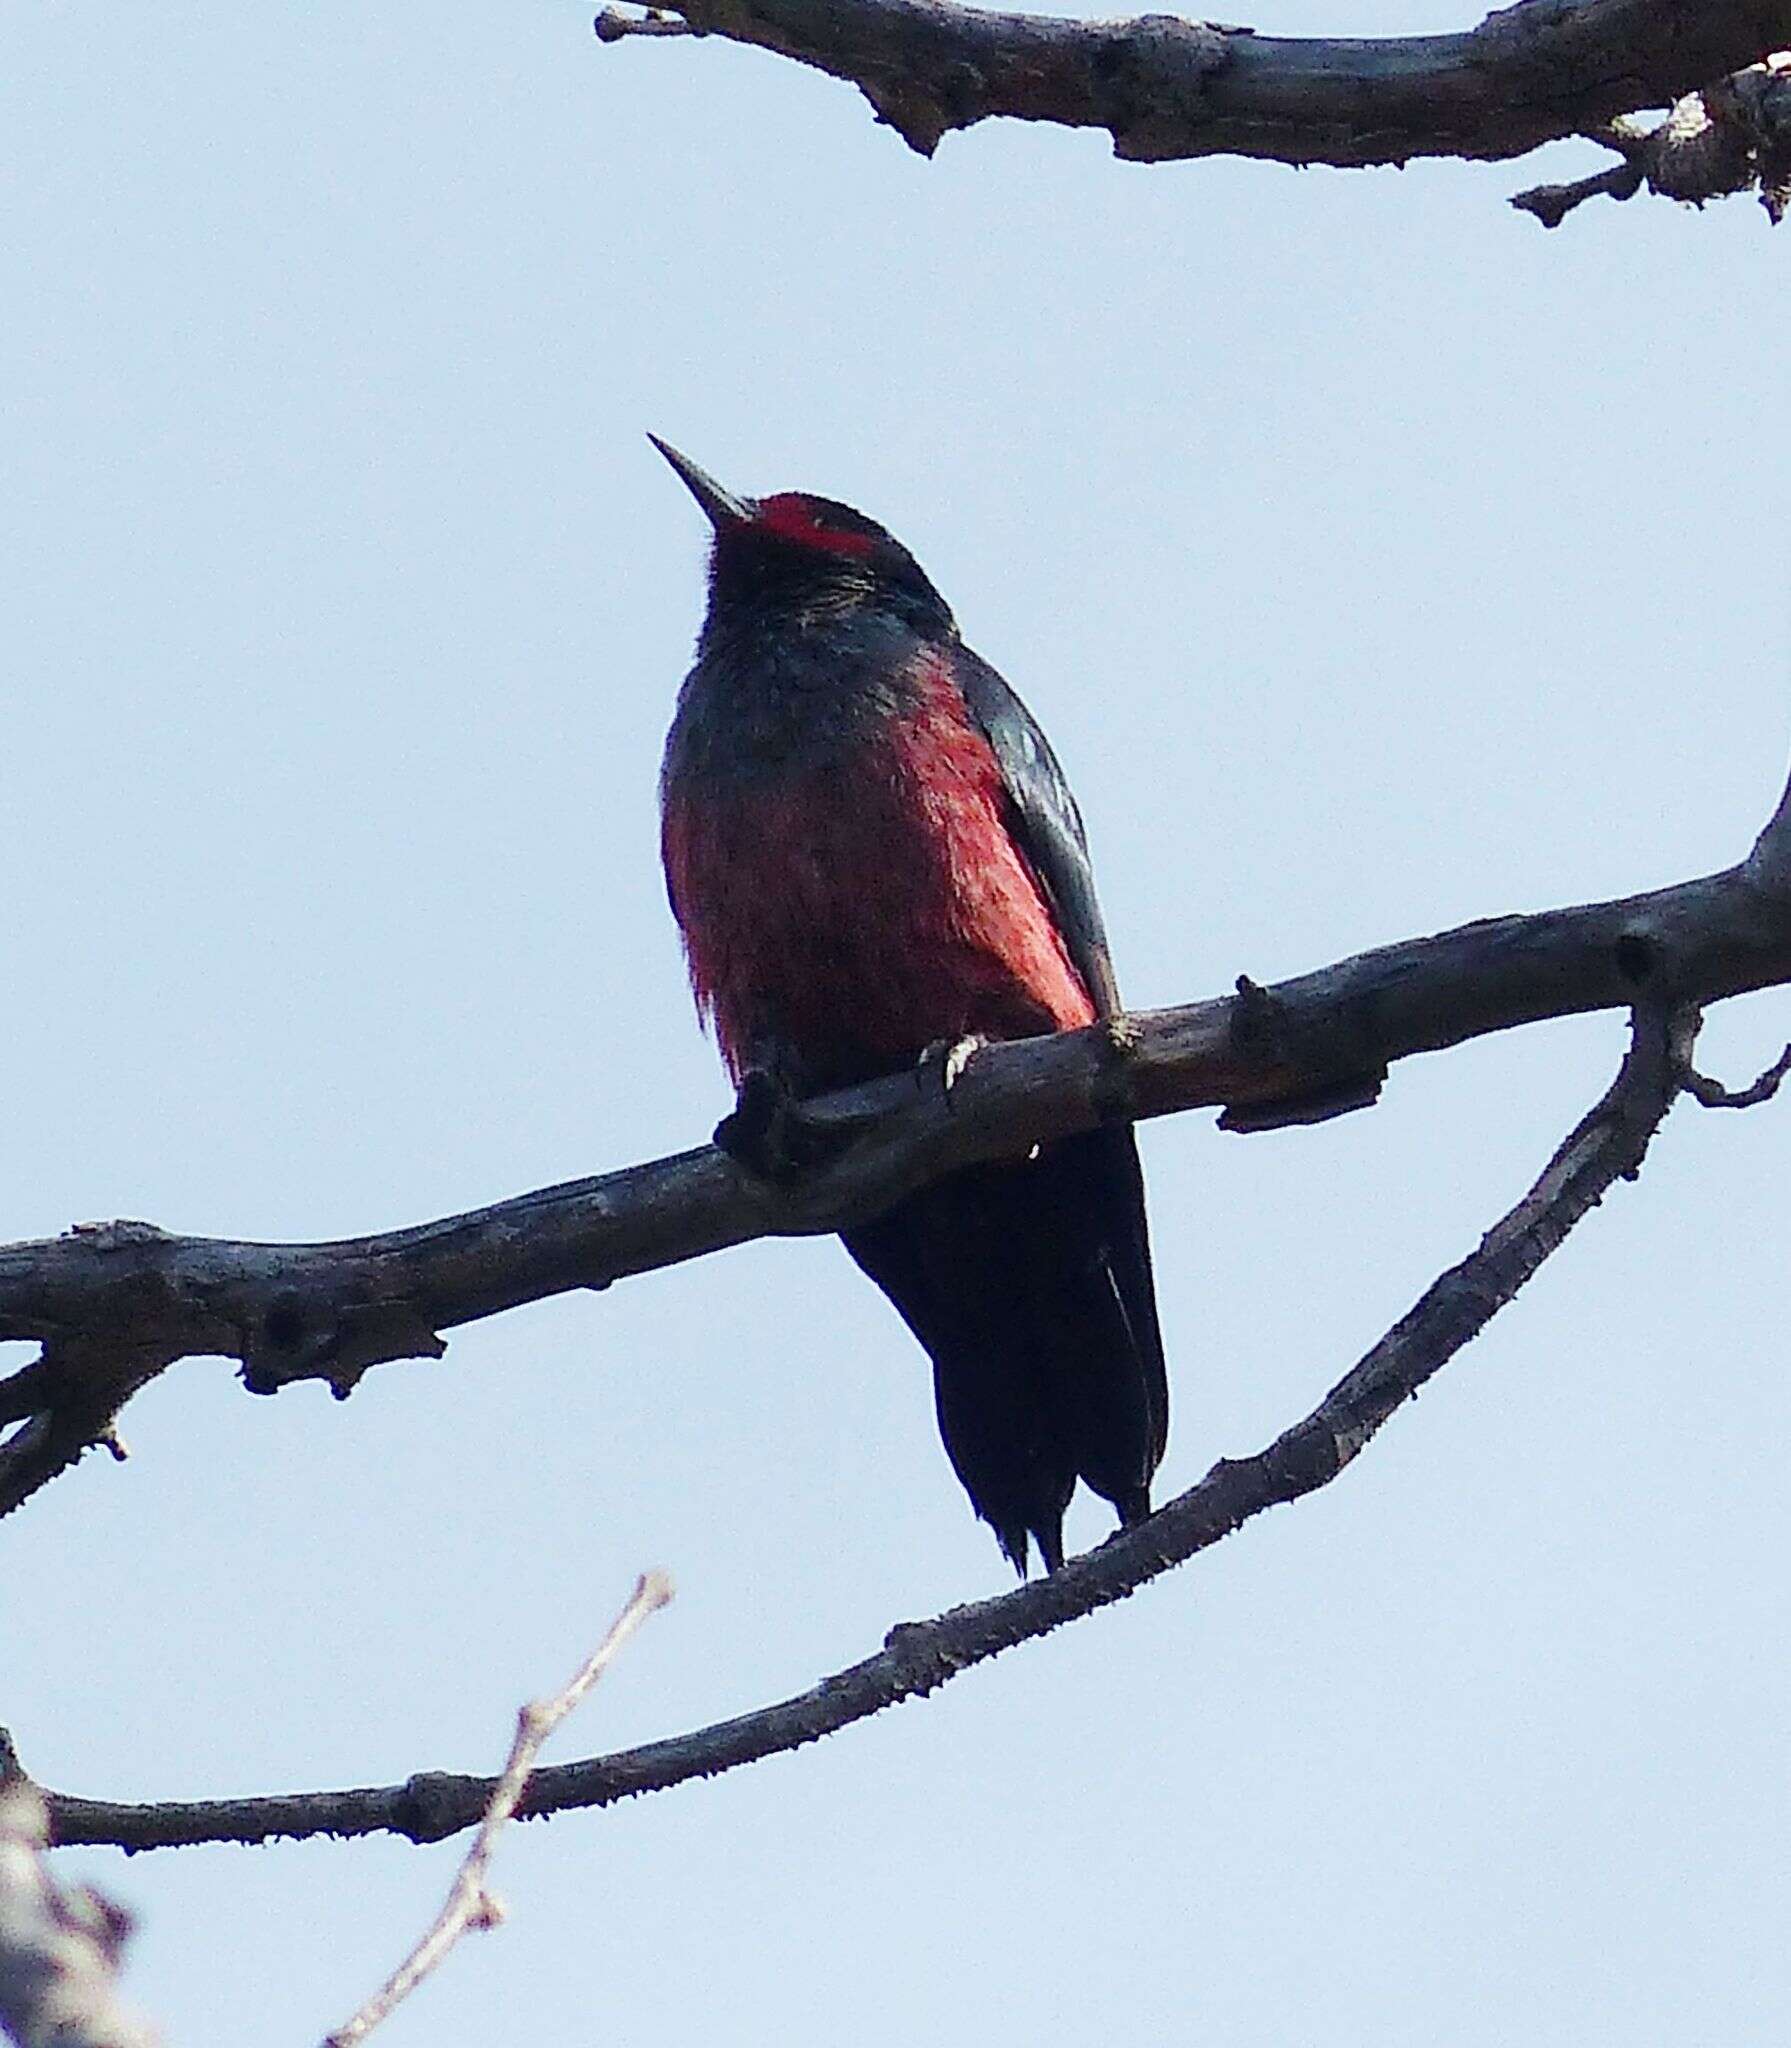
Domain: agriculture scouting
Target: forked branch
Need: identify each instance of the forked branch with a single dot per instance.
(1164, 87)
(1734, 136)
(1605, 1146)
(114, 1304)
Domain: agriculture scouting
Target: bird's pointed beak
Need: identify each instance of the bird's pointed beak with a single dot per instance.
(723, 508)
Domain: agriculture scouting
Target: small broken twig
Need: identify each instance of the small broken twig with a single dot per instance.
(1713, 1095)
(469, 1903)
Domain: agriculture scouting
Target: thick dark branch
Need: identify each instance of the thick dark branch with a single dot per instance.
(1734, 136)
(114, 1303)
(1168, 88)
(1607, 1145)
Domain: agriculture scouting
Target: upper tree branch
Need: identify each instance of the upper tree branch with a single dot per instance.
(1607, 1144)
(1168, 88)
(113, 1304)
(1734, 136)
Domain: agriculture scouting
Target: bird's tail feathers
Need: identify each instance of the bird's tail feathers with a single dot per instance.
(1029, 1284)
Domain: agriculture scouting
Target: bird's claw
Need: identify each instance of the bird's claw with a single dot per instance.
(948, 1058)
(768, 1134)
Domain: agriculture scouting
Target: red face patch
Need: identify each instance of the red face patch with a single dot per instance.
(793, 517)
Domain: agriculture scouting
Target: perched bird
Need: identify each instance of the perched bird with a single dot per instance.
(870, 849)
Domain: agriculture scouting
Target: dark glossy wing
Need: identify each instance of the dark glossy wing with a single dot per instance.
(1030, 1283)
(1045, 821)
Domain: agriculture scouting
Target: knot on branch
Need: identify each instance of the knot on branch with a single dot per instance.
(1326, 1055)
(1158, 69)
(436, 1804)
(1528, 17)
(1696, 153)
(122, 1233)
(923, 1658)
(1758, 102)
(613, 26)
(1312, 1453)
(924, 109)
(301, 1338)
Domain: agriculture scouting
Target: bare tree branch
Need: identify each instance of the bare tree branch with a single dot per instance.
(68, 1402)
(59, 1945)
(1734, 136)
(1607, 1145)
(1713, 1095)
(470, 1903)
(1551, 204)
(1168, 88)
(112, 1304)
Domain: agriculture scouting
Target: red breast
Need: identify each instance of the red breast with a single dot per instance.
(860, 912)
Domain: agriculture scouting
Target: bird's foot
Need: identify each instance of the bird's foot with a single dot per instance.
(769, 1135)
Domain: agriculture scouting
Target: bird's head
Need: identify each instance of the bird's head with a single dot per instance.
(795, 552)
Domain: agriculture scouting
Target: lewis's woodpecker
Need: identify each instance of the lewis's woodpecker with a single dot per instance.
(871, 849)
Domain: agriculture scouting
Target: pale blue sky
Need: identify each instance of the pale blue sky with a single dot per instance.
(1375, 560)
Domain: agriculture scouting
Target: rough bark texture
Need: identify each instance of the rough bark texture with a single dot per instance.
(1734, 136)
(1167, 88)
(114, 1304)
(1606, 1145)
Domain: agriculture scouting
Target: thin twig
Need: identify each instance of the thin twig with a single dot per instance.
(1551, 204)
(1713, 1095)
(469, 1903)
(1607, 1145)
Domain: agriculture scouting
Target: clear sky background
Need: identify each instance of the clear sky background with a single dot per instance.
(1376, 562)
